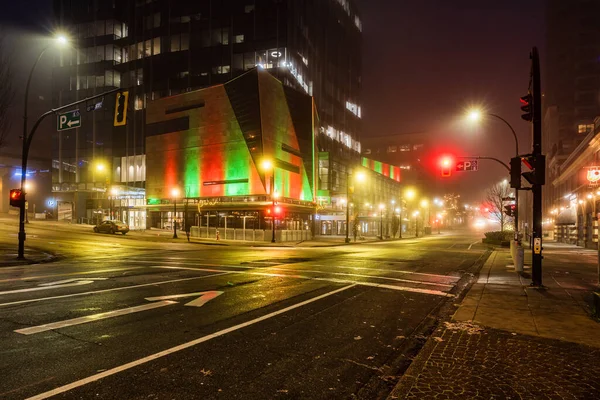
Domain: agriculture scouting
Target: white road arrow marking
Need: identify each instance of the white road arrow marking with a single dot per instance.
(92, 318)
(161, 301)
(52, 285)
(204, 298)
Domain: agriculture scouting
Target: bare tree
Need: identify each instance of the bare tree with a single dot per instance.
(7, 92)
(494, 198)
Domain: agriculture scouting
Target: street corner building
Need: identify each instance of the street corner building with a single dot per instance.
(237, 157)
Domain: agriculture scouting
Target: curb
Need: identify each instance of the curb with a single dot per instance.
(50, 258)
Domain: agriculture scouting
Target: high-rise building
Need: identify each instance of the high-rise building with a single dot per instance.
(572, 71)
(571, 102)
(159, 48)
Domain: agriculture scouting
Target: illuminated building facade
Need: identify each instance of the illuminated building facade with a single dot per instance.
(207, 149)
(158, 49)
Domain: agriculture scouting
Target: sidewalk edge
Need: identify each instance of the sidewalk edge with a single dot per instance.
(410, 376)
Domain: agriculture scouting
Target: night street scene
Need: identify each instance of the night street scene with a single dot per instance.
(299, 199)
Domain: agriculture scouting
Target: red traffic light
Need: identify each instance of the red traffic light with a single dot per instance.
(446, 163)
(527, 108)
(277, 210)
(16, 197)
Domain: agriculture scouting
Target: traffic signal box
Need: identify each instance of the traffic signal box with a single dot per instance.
(509, 210)
(16, 197)
(446, 164)
(537, 164)
(515, 172)
(121, 108)
(527, 107)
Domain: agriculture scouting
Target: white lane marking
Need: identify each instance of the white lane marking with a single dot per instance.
(295, 276)
(472, 244)
(69, 274)
(311, 265)
(91, 318)
(35, 289)
(114, 289)
(204, 298)
(71, 280)
(152, 357)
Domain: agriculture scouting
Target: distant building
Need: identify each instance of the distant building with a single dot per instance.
(406, 151)
(572, 71)
(158, 49)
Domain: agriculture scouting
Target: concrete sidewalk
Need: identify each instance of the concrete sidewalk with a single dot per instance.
(502, 299)
(509, 340)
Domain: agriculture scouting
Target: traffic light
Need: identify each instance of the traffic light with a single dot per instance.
(121, 108)
(277, 210)
(527, 107)
(537, 175)
(16, 197)
(515, 172)
(446, 164)
(509, 210)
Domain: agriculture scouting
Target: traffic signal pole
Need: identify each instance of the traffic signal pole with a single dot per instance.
(27, 138)
(536, 268)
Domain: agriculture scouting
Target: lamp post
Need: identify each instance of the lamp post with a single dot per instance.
(21, 252)
(416, 214)
(174, 193)
(360, 177)
(267, 166)
(475, 116)
(381, 208)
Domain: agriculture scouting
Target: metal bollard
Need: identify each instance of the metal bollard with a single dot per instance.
(519, 258)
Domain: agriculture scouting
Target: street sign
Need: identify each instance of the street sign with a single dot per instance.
(467, 165)
(68, 120)
(95, 106)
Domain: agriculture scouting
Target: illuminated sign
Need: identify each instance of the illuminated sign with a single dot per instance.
(593, 174)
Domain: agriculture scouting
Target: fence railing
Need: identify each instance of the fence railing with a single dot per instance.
(250, 235)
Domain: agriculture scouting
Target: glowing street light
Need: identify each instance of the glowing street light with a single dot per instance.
(26, 140)
(410, 194)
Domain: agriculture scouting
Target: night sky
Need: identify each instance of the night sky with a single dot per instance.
(425, 62)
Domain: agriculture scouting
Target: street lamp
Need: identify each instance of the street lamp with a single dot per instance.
(476, 115)
(359, 177)
(267, 166)
(174, 193)
(61, 40)
(381, 208)
(416, 214)
(113, 192)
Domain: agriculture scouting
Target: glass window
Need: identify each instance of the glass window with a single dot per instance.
(147, 48)
(185, 18)
(185, 41)
(140, 77)
(109, 78)
(116, 79)
(238, 39)
(109, 52)
(585, 128)
(156, 46)
(118, 30)
(238, 62)
(100, 82)
(175, 43)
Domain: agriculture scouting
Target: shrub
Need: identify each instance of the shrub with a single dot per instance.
(497, 236)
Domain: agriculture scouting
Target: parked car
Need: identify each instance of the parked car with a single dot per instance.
(112, 227)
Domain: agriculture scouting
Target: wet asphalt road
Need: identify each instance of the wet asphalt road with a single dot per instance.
(212, 322)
